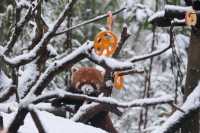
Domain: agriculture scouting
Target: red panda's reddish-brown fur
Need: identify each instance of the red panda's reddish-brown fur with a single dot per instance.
(87, 75)
(95, 78)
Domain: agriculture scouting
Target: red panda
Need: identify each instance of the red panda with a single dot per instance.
(87, 80)
(90, 81)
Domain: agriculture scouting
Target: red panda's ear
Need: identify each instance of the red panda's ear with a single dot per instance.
(74, 69)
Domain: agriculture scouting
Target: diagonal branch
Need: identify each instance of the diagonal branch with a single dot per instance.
(124, 37)
(104, 100)
(109, 63)
(37, 121)
(5, 95)
(176, 120)
(18, 120)
(88, 111)
(158, 52)
(89, 21)
(147, 56)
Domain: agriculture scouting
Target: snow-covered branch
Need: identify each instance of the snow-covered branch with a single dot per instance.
(104, 100)
(171, 12)
(109, 63)
(31, 55)
(175, 121)
(88, 111)
(59, 66)
(20, 23)
(85, 51)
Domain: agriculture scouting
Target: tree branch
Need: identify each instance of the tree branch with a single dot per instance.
(124, 37)
(5, 95)
(177, 119)
(88, 111)
(104, 100)
(37, 121)
(147, 56)
(89, 21)
(18, 120)
(28, 57)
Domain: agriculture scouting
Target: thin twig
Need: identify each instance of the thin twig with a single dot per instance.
(153, 54)
(176, 107)
(89, 21)
(134, 71)
(105, 100)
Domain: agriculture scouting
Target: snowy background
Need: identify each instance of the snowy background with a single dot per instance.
(163, 74)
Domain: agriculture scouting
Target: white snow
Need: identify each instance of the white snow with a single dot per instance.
(52, 124)
(22, 3)
(110, 62)
(8, 107)
(27, 77)
(182, 41)
(140, 15)
(5, 82)
(82, 110)
(2, 49)
(156, 15)
(192, 102)
(52, 51)
(178, 8)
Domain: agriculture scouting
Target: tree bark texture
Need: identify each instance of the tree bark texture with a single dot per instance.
(193, 76)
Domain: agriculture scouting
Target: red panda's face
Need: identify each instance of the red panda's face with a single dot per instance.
(87, 80)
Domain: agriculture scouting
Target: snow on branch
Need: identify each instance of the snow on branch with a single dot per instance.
(77, 55)
(20, 23)
(22, 3)
(59, 66)
(87, 111)
(109, 63)
(31, 55)
(175, 121)
(85, 51)
(105, 100)
(163, 18)
(89, 21)
(52, 109)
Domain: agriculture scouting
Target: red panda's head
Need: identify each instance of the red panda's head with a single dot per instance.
(87, 80)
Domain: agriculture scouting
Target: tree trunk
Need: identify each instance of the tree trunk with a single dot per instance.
(193, 76)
